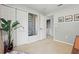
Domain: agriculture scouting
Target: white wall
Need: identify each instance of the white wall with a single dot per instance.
(21, 14)
(66, 31)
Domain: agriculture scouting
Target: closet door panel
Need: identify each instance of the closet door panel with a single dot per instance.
(22, 31)
(42, 27)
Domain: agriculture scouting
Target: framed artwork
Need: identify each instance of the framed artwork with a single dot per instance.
(76, 17)
(61, 19)
(68, 18)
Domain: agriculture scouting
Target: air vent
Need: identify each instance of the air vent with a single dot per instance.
(59, 4)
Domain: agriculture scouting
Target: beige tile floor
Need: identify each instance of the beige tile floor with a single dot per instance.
(46, 46)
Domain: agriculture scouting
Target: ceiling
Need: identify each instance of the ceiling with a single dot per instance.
(43, 8)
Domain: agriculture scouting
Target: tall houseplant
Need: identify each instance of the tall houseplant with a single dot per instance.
(8, 26)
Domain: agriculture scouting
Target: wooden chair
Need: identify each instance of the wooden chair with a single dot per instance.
(75, 49)
(1, 43)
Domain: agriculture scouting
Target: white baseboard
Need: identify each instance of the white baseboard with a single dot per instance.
(63, 42)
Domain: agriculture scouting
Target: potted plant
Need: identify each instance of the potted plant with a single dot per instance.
(8, 26)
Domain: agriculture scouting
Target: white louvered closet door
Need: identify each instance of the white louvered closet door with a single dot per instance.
(22, 33)
(42, 27)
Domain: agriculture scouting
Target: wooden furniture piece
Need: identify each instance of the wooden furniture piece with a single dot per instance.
(75, 49)
(1, 43)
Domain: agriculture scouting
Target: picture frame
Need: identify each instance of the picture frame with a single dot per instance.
(76, 17)
(69, 18)
(61, 19)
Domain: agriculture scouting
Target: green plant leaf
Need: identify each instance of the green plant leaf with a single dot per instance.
(3, 20)
(15, 24)
(9, 23)
(5, 27)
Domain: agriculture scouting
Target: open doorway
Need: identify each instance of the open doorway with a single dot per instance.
(48, 25)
